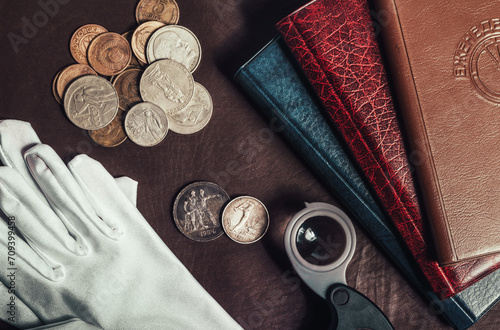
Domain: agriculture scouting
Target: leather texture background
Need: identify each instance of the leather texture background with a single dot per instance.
(452, 121)
(277, 84)
(335, 43)
(252, 282)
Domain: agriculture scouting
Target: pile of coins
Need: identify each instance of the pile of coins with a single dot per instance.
(138, 84)
(203, 211)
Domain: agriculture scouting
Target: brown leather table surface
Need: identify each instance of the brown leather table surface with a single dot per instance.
(252, 282)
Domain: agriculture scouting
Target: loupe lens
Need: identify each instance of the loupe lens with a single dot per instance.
(321, 240)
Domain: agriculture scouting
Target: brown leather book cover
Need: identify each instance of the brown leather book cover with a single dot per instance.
(444, 60)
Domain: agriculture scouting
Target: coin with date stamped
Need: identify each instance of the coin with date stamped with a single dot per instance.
(197, 211)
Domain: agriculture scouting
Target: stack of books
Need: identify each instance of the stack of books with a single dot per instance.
(325, 79)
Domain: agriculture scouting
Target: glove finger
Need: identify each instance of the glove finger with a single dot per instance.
(22, 257)
(15, 138)
(64, 194)
(72, 324)
(102, 191)
(39, 225)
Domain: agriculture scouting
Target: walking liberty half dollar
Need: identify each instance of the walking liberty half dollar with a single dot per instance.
(197, 211)
(245, 220)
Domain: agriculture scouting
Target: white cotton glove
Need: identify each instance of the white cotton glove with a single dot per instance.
(91, 255)
(18, 136)
(15, 138)
(22, 315)
(72, 324)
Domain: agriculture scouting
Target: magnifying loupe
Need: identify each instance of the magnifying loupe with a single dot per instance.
(320, 241)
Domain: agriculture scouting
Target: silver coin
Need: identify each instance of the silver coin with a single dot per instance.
(195, 115)
(146, 124)
(245, 219)
(167, 84)
(197, 211)
(176, 43)
(91, 102)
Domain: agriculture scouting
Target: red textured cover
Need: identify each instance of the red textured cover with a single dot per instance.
(335, 43)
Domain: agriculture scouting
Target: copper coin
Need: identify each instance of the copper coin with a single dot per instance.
(81, 39)
(69, 74)
(109, 53)
(140, 38)
(111, 135)
(54, 88)
(127, 87)
(166, 11)
(134, 62)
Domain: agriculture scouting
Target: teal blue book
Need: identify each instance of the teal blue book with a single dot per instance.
(274, 81)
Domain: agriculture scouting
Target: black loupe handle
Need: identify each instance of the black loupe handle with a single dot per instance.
(352, 310)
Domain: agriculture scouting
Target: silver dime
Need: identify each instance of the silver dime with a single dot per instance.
(245, 219)
(197, 211)
(195, 115)
(167, 84)
(146, 124)
(177, 43)
(91, 102)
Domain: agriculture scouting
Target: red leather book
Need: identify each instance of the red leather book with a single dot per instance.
(336, 45)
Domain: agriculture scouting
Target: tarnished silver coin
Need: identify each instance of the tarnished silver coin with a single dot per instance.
(91, 102)
(176, 43)
(167, 84)
(146, 124)
(195, 115)
(197, 211)
(245, 219)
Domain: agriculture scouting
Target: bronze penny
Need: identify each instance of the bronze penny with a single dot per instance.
(166, 11)
(54, 88)
(81, 39)
(134, 62)
(127, 87)
(140, 38)
(70, 73)
(109, 54)
(113, 134)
